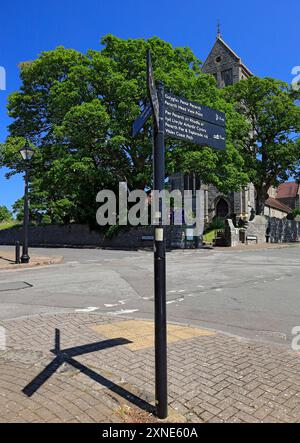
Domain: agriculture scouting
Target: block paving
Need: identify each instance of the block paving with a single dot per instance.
(58, 368)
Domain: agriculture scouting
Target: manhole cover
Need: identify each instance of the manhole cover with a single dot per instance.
(14, 285)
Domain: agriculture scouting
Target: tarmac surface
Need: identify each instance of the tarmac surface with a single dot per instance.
(251, 293)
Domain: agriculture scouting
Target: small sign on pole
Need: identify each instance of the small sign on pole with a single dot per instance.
(141, 120)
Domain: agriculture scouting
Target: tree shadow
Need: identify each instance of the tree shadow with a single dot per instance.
(66, 356)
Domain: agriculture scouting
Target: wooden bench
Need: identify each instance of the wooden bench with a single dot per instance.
(251, 237)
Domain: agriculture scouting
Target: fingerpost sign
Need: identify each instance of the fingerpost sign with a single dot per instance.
(186, 120)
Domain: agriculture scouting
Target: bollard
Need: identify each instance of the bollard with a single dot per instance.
(17, 252)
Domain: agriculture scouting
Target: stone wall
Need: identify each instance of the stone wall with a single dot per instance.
(227, 61)
(283, 230)
(231, 233)
(257, 228)
(80, 235)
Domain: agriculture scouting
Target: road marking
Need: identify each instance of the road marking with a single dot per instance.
(122, 311)
(88, 309)
(175, 291)
(109, 305)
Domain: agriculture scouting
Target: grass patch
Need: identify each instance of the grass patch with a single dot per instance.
(209, 236)
(9, 224)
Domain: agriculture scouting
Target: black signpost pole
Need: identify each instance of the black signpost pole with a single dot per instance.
(174, 117)
(161, 391)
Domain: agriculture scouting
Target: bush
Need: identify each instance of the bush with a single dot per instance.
(5, 214)
(295, 213)
(216, 223)
(114, 230)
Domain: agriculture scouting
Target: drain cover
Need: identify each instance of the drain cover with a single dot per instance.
(14, 285)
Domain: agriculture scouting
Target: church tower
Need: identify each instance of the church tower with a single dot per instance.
(227, 68)
(224, 64)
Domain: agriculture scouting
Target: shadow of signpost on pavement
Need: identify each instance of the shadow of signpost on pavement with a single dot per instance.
(67, 356)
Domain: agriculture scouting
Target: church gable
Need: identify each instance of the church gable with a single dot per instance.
(225, 64)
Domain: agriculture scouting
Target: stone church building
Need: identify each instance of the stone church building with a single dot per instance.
(227, 68)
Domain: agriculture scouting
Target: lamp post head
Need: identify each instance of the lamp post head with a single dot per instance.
(27, 152)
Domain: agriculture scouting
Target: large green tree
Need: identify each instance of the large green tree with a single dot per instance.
(271, 150)
(78, 109)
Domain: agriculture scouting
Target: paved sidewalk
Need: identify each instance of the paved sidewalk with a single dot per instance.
(7, 261)
(90, 368)
(255, 247)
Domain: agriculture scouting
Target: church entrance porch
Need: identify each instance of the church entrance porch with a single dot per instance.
(222, 209)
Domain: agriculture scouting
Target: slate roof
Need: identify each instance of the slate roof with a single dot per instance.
(276, 204)
(287, 190)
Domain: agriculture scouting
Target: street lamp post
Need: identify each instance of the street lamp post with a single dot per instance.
(27, 154)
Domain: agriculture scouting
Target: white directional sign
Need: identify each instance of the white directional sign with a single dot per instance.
(192, 122)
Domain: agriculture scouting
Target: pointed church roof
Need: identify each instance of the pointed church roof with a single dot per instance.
(220, 40)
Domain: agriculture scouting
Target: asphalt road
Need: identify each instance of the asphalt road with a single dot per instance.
(252, 294)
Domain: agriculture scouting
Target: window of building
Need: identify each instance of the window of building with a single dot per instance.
(227, 77)
(192, 182)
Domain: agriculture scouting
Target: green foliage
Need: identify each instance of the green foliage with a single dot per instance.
(9, 224)
(114, 230)
(295, 213)
(271, 149)
(78, 109)
(5, 214)
(216, 224)
(210, 235)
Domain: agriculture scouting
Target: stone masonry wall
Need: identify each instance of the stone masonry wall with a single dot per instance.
(283, 230)
(81, 235)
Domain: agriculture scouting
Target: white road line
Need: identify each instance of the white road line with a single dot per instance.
(175, 291)
(88, 309)
(122, 311)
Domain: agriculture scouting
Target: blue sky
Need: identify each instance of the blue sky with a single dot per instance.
(264, 33)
